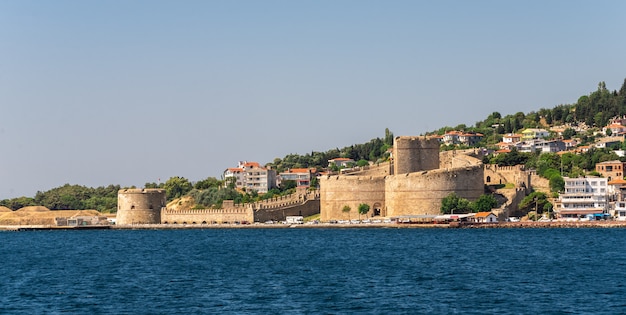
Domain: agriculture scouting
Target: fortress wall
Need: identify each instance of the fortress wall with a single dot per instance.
(339, 191)
(140, 206)
(207, 216)
(457, 158)
(511, 207)
(383, 169)
(495, 175)
(310, 207)
(421, 193)
(414, 154)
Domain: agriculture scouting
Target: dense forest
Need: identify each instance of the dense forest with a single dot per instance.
(70, 197)
(593, 110)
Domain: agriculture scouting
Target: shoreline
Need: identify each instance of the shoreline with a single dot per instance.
(461, 225)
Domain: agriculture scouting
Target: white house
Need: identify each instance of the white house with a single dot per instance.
(616, 129)
(451, 137)
(485, 217)
(511, 138)
(340, 162)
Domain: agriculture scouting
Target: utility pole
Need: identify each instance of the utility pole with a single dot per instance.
(536, 213)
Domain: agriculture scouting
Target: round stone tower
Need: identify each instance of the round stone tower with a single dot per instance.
(415, 154)
(140, 206)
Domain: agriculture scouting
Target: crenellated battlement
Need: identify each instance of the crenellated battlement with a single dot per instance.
(203, 211)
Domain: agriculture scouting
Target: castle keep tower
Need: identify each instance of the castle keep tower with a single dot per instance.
(140, 206)
(415, 154)
(416, 187)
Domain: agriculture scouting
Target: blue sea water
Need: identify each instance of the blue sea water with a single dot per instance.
(314, 271)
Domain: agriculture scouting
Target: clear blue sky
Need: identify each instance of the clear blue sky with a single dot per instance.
(127, 92)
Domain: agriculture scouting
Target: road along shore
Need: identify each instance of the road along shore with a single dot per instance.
(466, 225)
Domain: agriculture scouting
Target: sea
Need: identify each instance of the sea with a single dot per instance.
(314, 271)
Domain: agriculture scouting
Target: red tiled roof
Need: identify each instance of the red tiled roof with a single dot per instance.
(482, 214)
(298, 170)
(618, 181)
(454, 132)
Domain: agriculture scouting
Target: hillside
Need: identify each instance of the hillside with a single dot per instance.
(592, 111)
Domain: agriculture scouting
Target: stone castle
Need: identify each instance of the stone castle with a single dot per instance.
(413, 184)
(148, 206)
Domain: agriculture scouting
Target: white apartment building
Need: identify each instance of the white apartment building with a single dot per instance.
(237, 174)
(302, 176)
(584, 197)
(252, 176)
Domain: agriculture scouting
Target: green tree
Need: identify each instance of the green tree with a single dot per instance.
(208, 182)
(288, 184)
(568, 133)
(535, 200)
(500, 129)
(314, 182)
(18, 203)
(230, 182)
(484, 203)
(176, 187)
(508, 126)
(388, 137)
(346, 209)
(153, 185)
(363, 209)
(557, 183)
(452, 203)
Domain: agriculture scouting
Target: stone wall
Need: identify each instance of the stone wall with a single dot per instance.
(421, 193)
(339, 191)
(511, 208)
(382, 169)
(140, 206)
(308, 208)
(516, 175)
(207, 216)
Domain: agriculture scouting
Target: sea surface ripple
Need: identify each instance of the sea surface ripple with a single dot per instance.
(314, 271)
